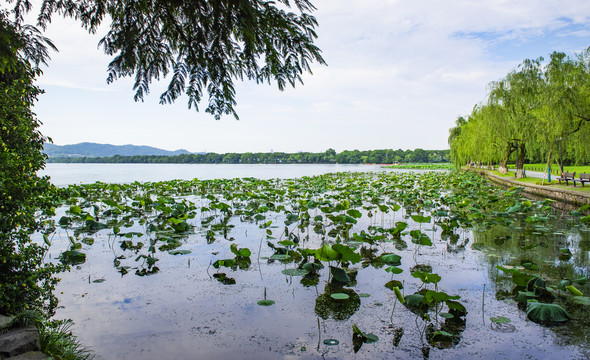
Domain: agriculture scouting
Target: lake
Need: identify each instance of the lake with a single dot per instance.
(65, 174)
(179, 269)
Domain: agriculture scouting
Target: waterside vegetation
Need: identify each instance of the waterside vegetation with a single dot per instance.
(540, 112)
(330, 156)
(326, 231)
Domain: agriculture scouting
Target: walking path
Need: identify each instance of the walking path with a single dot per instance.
(569, 195)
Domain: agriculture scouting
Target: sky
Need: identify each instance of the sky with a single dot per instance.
(399, 74)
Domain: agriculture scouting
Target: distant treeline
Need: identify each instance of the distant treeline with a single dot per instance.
(328, 157)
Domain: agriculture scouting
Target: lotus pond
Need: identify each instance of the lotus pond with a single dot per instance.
(338, 266)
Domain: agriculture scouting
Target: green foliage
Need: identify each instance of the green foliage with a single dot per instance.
(25, 281)
(202, 46)
(389, 156)
(538, 110)
(546, 313)
(56, 340)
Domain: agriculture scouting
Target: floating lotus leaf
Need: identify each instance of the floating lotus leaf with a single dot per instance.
(546, 313)
(339, 296)
(179, 252)
(73, 257)
(500, 320)
(326, 307)
(295, 272)
(265, 302)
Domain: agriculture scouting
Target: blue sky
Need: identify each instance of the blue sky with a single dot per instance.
(399, 73)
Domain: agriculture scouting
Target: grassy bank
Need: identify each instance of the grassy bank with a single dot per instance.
(422, 166)
(554, 168)
(536, 181)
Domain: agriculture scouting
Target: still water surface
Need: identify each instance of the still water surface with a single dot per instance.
(182, 312)
(65, 174)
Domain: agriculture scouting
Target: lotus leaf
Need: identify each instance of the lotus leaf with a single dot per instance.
(546, 313)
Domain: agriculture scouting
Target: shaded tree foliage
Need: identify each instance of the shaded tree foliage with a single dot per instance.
(202, 45)
(25, 281)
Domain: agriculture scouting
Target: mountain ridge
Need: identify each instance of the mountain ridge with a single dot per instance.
(89, 149)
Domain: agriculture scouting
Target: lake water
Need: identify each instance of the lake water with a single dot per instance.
(184, 312)
(65, 174)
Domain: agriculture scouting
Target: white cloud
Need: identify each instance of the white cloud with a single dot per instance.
(398, 75)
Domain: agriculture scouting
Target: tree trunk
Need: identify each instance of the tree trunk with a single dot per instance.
(520, 156)
(560, 161)
(503, 166)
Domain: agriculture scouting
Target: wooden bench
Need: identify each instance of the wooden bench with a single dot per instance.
(583, 178)
(567, 176)
(523, 173)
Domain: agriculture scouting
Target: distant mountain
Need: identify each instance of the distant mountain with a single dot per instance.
(87, 149)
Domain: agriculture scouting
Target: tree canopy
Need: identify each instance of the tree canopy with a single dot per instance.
(538, 109)
(330, 156)
(201, 46)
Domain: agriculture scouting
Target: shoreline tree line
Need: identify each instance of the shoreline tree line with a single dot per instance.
(539, 112)
(330, 156)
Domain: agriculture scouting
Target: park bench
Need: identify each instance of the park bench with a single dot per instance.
(523, 173)
(567, 176)
(583, 178)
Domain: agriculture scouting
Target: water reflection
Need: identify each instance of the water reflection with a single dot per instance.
(554, 253)
(327, 307)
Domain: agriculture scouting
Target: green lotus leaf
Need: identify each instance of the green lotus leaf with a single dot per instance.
(392, 259)
(265, 302)
(295, 272)
(339, 274)
(547, 313)
(339, 296)
(500, 320)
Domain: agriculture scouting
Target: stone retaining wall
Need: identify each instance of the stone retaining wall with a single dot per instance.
(570, 199)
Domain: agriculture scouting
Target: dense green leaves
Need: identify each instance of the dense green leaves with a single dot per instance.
(202, 46)
(327, 157)
(547, 313)
(539, 110)
(25, 280)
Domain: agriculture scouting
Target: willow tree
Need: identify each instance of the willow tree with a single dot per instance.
(454, 134)
(563, 114)
(518, 97)
(581, 109)
(202, 45)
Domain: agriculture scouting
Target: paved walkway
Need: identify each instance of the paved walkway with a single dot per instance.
(569, 195)
(535, 174)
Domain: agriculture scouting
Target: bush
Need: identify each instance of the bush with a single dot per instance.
(25, 280)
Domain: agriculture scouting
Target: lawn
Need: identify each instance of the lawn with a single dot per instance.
(555, 168)
(554, 183)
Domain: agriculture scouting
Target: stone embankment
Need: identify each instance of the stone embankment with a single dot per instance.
(19, 343)
(569, 199)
